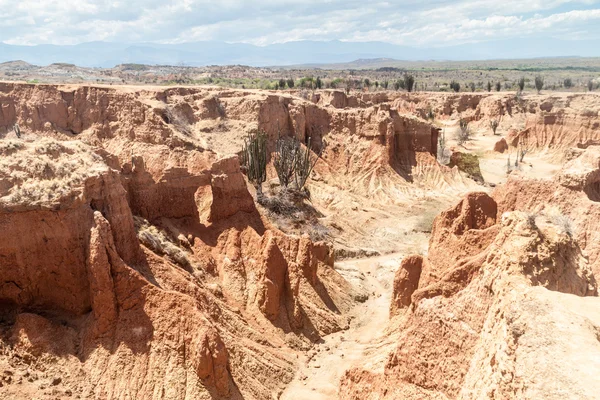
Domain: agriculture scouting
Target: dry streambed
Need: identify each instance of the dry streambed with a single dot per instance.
(365, 343)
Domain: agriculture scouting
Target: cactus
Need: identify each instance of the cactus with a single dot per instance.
(17, 130)
(254, 158)
(430, 114)
(286, 153)
(304, 165)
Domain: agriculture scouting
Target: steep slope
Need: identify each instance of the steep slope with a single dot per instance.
(472, 325)
(183, 310)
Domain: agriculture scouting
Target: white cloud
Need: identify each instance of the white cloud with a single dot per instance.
(409, 22)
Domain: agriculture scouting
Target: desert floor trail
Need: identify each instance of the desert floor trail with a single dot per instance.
(366, 340)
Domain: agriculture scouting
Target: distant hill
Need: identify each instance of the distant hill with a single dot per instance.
(103, 54)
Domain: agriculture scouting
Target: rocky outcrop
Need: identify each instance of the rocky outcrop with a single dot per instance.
(467, 163)
(471, 328)
(197, 311)
(406, 281)
(501, 146)
(571, 199)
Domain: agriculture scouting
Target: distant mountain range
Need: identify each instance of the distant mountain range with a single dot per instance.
(103, 54)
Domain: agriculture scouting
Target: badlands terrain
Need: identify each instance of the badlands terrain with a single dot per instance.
(136, 261)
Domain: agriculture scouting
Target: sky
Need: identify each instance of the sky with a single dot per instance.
(417, 23)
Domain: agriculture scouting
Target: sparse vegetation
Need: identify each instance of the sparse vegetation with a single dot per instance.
(590, 85)
(160, 243)
(568, 83)
(319, 83)
(305, 162)
(531, 217)
(254, 158)
(522, 150)
(455, 86)
(489, 86)
(521, 84)
(409, 82)
(430, 114)
(564, 222)
(539, 83)
(285, 158)
(498, 86)
(45, 171)
(443, 153)
(469, 164)
(464, 132)
(494, 125)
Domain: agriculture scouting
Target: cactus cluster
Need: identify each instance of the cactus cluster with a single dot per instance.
(284, 161)
(293, 161)
(305, 163)
(254, 158)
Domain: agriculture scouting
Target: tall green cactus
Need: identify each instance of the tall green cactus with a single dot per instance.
(254, 158)
(284, 160)
(305, 163)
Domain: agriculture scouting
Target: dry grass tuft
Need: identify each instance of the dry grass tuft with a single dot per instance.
(292, 212)
(44, 171)
(160, 243)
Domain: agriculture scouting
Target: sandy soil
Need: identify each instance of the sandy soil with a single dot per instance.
(366, 339)
(536, 164)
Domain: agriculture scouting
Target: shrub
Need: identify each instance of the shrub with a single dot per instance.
(464, 132)
(472, 86)
(307, 82)
(254, 158)
(531, 217)
(409, 82)
(455, 86)
(521, 84)
(319, 83)
(590, 85)
(430, 114)
(367, 83)
(494, 125)
(522, 150)
(564, 222)
(290, 83)
(568, 83)
(282, 83)
(399, 84)
(498, 86)
(489, 86)
(539, 83)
